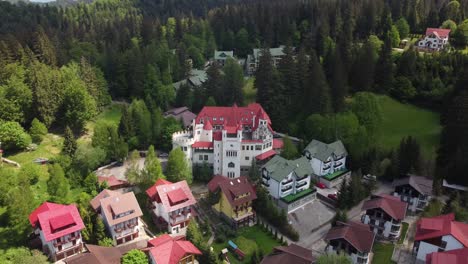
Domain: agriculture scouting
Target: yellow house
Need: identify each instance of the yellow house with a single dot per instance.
(235, 202)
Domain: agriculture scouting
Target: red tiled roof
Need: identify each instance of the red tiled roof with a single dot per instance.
(46, 206)
(96, 201)
(112, 181)
(265, 155)
(357, 234)
(441, 32)
(232, 116)
(207, 125)
(119, 204)
(168, 250)
(278, 143)
(391, 205)
(441, 225)
(232, 188)
(202, 144)
(176, 196)
(292, 254)
(59, 221)
(164, 190)
(457, 256)
(152, 191)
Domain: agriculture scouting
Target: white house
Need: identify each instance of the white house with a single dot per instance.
(414, 190)
(384, 214)
(288, 181)
(171, 204)
(59, 229)
(221, 56)
(228, 139)
(439, 234)
(435, 39)
(328, 161)
(254, 59)
(120, 214)
(353, 239)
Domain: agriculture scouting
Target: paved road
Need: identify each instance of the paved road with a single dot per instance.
(119, 171)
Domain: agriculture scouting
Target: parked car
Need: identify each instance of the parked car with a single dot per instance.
(320, 185)
(163, 155)
(333, 196)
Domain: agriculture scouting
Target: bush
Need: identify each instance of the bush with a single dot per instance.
(13, 136)
(37, 131)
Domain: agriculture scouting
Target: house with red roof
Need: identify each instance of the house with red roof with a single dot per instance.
(172, 250)
(439, 234)
(456, 256)
(228, 139)
(384, 214)
(171, 204)
(235, 199)
(120, 213)
(289, 254)
(353, 239)
(59, 229)
(112, 182)
(436, 39)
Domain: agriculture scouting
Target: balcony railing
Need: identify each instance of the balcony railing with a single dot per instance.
(286, 189)
(266, 184)
(326, 168)
(338, 164)
(301, 184)
(266, 177)
(287, 182)
(302, 178)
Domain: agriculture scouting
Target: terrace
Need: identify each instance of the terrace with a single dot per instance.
(336, 174)
(294, 197)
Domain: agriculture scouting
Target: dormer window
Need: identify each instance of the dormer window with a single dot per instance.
(231, 165)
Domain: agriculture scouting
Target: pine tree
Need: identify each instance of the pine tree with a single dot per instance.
(99, 229)
(69, 143)
(214, 84)
(289, 149)
(264, 77)
(57, 185)
(338, 82)
(384, 68)
(125, 124)
(317, 97)
(289, 75)
(43, 47)
(133, 173)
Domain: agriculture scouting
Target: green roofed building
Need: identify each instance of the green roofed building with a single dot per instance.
(328, 161)
(288, 181)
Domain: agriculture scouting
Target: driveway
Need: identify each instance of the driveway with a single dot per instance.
(311, 222)
(119, 171)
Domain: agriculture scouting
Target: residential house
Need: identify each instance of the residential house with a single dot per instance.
(456, 256)
(172, 250)
(292, 254)
(181, 114)
(59, 229)
(171, 204)
(439, 234)
(195, 79)
(353, 239)
(414, 190)
(221, 56)
(253, 60)
(120, 214)
(328, 162)
(228, 139)
(112, 182)
(288, 182)
(384, 214)
(435, 39)
(94, 254)
(235, 202)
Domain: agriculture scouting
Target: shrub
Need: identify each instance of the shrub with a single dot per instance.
(37, 131)
(13, 136)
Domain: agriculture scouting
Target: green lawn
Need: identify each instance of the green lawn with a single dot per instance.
(293, 197)
(403, 232)
(382, 253)
(400, 120)
(335, 174)
(249, 91)
(110, 115)
(248, 238)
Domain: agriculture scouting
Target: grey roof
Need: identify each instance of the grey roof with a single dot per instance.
(279, 168)
(322, 151)
(421, 184)
(197, 78)
(223, 55)
(275, 52)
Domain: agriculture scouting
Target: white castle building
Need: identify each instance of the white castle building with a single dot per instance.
(228, 139)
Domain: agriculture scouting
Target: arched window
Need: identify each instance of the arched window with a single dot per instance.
(231, 165)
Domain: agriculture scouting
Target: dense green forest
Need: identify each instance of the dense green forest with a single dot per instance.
(62, 66)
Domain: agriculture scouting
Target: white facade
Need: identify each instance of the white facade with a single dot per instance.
(356, 258)
(425, 248)
(176, 220)
(388, 229)
(123, 229)
(232, 150)
(415, 204)
(61, 244)
(331, 165)
(433, 42)
(290, 185)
